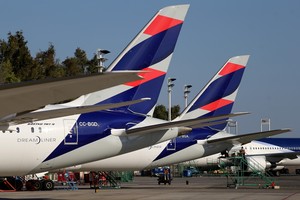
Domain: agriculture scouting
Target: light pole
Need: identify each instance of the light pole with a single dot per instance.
(265, 121)
(186, 91)
(101, 59)
(232, 124)
(170, 85)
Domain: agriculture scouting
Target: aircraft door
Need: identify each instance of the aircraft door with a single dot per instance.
(172, 144)
(71, 132)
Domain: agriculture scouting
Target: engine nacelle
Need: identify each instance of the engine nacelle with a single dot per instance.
(277, 168)
(257, 163)
(118, 132)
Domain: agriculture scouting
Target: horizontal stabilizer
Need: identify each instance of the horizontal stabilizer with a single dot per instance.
(22, 97)
(246, 138)
(200, 122)
(35, 116)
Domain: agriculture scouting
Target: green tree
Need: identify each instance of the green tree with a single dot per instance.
(3, 47)
(72, 67)
(47, 65)
(17, 52)
(6, 73)
(81, 57)
(92, 65)
(76, 65)
(17, 64)
(57, 71)
(162, 113)
(175, 111)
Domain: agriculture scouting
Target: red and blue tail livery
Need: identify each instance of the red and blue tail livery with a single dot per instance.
(216, 98)
(150, 52)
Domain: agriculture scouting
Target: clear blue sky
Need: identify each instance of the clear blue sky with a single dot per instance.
(214, 31)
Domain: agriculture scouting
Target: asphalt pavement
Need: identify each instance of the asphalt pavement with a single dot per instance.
(147, 188)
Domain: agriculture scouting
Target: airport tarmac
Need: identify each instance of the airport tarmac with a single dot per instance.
(146, 188)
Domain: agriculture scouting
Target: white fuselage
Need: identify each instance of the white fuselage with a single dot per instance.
(255, 149)
(27, 147)
(147, 158)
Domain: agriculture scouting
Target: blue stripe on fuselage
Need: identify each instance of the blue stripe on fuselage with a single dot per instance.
(181, 143)
(197, 133)
(106, 120)
(283, 142)
(185, 142)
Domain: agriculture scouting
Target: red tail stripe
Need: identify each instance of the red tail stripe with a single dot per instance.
(161, 23)
(216, 104)
(229, 68)
(148, 75)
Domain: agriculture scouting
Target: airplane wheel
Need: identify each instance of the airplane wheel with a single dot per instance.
(19, 185)
(277, 173)
(33, 185)
(48, 185)
(37, 185)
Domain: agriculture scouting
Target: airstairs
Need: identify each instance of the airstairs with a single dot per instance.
(240, 172)
(6, 186)
(11, 184)
(106, 180)
(126, 176)
(109, 179)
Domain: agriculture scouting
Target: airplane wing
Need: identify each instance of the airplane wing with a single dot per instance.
(189, 124)
(41, 115)
(246, 138)
(24, 97)
(277, 157)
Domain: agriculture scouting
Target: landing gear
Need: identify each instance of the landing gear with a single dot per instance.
(48, 185)
(35, 185)
(16, 184)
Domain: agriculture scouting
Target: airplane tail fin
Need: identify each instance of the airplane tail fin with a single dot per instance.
(150, 53)
(218, 96)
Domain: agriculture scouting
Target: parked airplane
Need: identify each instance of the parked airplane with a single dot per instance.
(37, 146)
(267, 154)
(216, 98)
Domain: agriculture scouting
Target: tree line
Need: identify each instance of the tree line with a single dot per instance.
(18, 65)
